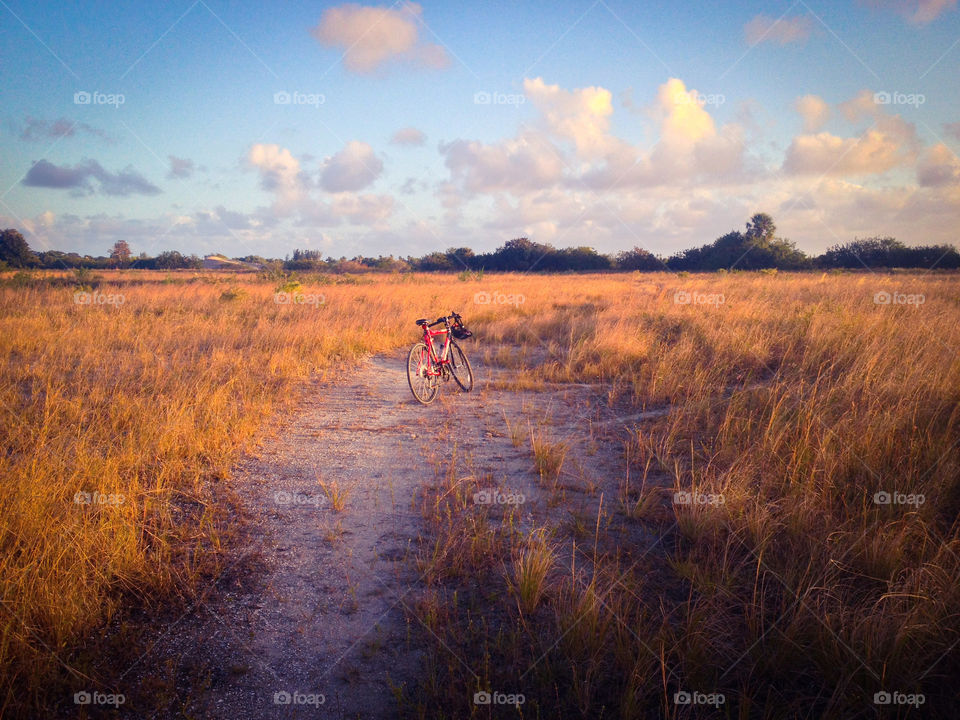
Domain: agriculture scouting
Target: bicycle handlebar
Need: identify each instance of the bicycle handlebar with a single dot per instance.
(452, 316)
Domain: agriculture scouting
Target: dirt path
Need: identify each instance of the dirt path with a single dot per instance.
(314, 607)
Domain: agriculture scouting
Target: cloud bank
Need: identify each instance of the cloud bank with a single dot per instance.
(371, 37)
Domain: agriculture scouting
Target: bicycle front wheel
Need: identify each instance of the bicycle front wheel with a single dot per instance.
(460, 367)
(423, 385)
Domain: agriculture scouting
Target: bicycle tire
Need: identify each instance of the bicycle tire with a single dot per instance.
(458, 364)
(424, 387)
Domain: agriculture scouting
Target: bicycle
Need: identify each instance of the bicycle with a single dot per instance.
(426, 367)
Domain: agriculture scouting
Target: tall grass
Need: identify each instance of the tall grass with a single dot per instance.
(139, 402)
(786, 584)
(796, 400)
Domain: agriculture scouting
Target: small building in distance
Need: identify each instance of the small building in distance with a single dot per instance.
(221, 262)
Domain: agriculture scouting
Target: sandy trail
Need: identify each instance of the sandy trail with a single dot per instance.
(314, 602)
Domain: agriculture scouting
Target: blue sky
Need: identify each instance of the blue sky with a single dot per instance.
(412, 128)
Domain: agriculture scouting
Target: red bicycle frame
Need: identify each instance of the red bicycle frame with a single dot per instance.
(436, 361)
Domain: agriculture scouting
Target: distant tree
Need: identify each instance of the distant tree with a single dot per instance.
(56, 259)
(755, 249)
(391, 264)
(14, 250)
(435, 261)
(520, 254)
(944, 257)
(866, 252)
(141, 261)
(461, 258)
(888, 252)
(173, 260)
(307, 260)
(760, 229)
(638, 259)
(578, 259)
(169, 260)
(253, 260)
(120, 253)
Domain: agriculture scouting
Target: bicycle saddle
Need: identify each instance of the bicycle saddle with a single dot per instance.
(422, 321)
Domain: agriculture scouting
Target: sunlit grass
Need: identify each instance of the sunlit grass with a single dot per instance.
(144, 396)
(531, 565)
(794, 402)
(797, 399)
(336, 494)
(548, 456)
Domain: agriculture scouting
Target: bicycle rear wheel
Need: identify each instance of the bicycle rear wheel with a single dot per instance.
(460, 367)
(423, 385)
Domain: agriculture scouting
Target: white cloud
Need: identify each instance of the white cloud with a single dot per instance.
(684, 121)
(690, 147)
(372, 36)
(697, 180)
(370, 210)
(826, 154)
(814, 111)
(581, 115)
(888, 142)
(280, 174)
(837, 210)
(518, 164)
(918, 12)
(408, 136)
(862, 105)
(353, 168)
(938, 166)
(784, 31)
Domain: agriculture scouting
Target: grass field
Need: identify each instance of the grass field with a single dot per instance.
(813, 424)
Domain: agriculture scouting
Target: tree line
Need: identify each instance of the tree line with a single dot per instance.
(757, 247)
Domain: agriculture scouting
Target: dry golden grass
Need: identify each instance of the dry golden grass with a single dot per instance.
(531, 565)
(797, 398)
(794, 401)
(336, 494)
(143, 404)
(548, 456)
